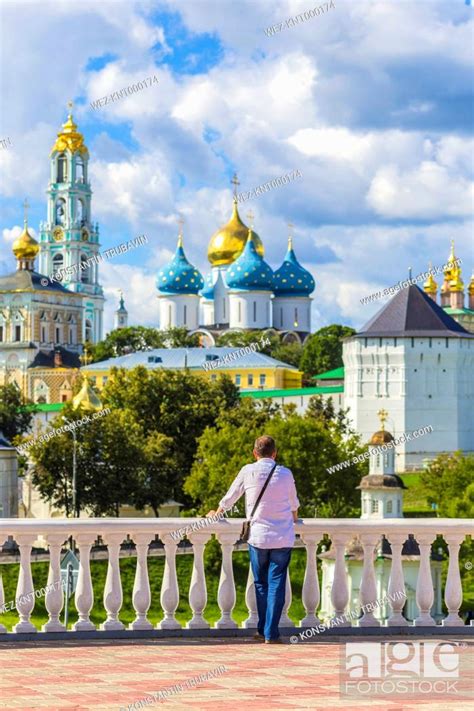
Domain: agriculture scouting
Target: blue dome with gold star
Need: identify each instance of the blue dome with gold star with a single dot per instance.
(250, 272)
(291, 279)
(208, 291)
(179, 276)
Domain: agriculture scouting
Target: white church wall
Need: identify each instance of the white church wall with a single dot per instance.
(292, 313)
(250, 309)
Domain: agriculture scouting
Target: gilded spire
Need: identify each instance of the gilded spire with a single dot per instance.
(86, 398)
(69, 138)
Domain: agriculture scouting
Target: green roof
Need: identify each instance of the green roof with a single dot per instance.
(458, 312)
(50, 406)
(291, 392)
(336, 374)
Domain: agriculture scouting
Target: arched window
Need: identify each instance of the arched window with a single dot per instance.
(80, 169)
(60, 211)
(58, 263)
(239, 317)
(169, 316)
(80, 211)
(185, 310)
(88, 331)
(85, 270)
(296, 318)
(375, 506)
(254, 311)
(62, 168)
(389, 506)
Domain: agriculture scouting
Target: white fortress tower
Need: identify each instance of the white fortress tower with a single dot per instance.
(416, 361)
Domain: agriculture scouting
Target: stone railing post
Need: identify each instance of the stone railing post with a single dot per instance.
(368, 586)
(226, 591)
(424, 584)
(113, 595)
(453, 589)
(251, 602)
(169, 597)
(25, 594)
(311, 593)
(54, 596)
(339, 591)
(3, 629)
(396, 583)
(141, 596)
(198, 589)
(84, 596)
(285, 621)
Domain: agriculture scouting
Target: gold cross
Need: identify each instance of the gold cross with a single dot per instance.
(383, 414)
(70, 104)
(290, 227)
(25, 211)
(235, 182)
(180, 223)
(250, 215)
(85, 358)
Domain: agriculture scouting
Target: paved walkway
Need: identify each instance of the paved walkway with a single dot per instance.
(113, 674)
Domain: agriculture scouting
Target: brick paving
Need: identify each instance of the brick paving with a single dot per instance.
(113, 674)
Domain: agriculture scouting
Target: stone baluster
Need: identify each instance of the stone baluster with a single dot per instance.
(396, 583)
(3, 629)
(284, 619)
(339, 591)
(84, 596)
(311, 593)
(169, 588)
(424, 584)
(368, 586)
(251, 601)
(54, 596)
(113, 595)
(25, 596)
(453, 589)
(198, 589)
(226, 591)
(141, 596)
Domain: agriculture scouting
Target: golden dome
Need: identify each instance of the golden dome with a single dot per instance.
(25, 246)
(86, 398)
(69, 138)
(450, 272)
(229, 241)
(430, 286)
(381, 437)
(471, 285)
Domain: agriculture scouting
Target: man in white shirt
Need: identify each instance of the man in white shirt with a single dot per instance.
(272, 533)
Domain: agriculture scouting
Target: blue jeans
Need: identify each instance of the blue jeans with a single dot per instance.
(269, 568)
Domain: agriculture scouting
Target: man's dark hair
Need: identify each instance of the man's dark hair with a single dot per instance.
(265, 446)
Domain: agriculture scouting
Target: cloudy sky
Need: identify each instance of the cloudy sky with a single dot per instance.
(371, 101)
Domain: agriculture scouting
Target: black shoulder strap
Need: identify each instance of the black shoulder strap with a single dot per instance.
(263, 490)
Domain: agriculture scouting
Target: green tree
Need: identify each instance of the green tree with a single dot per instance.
(306, 445)
(16, 412)
(448, 482)
(126, 340)
(290, 353)
(266, 340)
(157, 477)
(323, 349)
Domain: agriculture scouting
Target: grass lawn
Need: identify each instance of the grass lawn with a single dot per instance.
(414, 499)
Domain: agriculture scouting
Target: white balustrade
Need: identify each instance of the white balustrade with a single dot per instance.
(2, 601)
(226, 592)
(368, 586)
(25, 592)
(198, 589)
(311, 592)
(396, 583)
(251, 601)
(142, 531)
(113, 596)
(424, 584)
(453, 590)
(169, 588)
(84, 596)
(54, 596)
(141, 596)
(339, 591)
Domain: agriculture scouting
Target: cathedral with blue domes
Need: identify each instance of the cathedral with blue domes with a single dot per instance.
(241, 291)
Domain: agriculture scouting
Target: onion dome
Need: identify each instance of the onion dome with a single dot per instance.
(25, 247)
(207, 292)
(291, 279)
(250, 272)
(471, 285)
(69, 137)
(229, 241)
(430, 286)
(179, 276)
(381, 437)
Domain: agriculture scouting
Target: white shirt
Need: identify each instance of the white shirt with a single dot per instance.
(272, 524)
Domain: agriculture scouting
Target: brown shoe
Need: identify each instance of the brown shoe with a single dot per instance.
(259, 637)
(274, 641)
